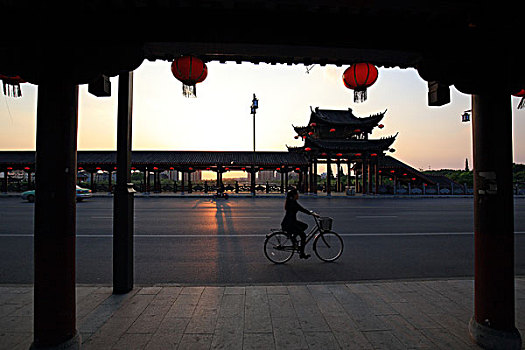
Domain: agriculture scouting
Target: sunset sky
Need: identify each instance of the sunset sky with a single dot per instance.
(219, 118)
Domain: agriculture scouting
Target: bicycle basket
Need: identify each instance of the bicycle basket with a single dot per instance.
(326, 223)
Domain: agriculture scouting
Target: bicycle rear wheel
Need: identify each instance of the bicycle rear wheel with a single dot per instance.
(278, 247)
(328, 246)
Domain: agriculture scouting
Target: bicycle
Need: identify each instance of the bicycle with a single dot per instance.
(280, 246)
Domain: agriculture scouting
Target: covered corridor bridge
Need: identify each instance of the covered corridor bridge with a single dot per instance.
(470, 44)
(185, 162)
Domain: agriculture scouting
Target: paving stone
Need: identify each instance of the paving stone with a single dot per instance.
(228, 333)
(232, 305)
(203, 321)
(371, 315)
(184, 305)
(288, 334)
(257, 311)
(410, 337)
(321, 340)
(235, 290)
(442, 339)
(276, 290)
(384, 340)
(258, 341)
(164, 342)
(9, 341)
(196, 341)
(149, 290)
(281, 305)
(173, 325)
(132, 341)
(192, 290)
(410, 312)
(146, 323)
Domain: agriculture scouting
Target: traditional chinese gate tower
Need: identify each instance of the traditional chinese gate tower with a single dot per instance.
(341, 137)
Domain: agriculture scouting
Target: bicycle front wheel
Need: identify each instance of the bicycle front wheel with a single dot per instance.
(328, 246)
(278, 248)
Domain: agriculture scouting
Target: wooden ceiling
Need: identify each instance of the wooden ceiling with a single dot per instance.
(455, 42)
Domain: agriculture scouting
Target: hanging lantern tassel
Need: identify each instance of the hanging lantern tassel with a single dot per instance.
(360, 95)
(189, 90)
(521, 94)
(358, 77)
(11, 86)
(190, 71)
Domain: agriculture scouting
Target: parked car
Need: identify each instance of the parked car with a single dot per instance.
(81, 194)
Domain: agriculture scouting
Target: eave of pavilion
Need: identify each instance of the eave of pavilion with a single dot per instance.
(344, 118)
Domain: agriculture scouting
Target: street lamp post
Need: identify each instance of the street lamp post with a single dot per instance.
(253, 108)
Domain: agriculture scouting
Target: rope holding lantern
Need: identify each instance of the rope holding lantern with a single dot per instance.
(190, 71)
(11, 85)
(359, 77)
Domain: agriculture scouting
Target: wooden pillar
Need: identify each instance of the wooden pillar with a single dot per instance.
(29, 180)
(348, 177)
(5, 182)
(110, 173)
(92, 181)
(364, 176)
(123, 202)
(314, 182)
(282, 181)
(148, 182)
(145, 181)
(286, 180)
(300, 182)
(328, 176)
(55, 217)
(311, 177)
(376, 176)
(252, 180)
(338, 182)
(370, 174)
(306, 182)
(190, 189)
(493, 323)
(182, 182)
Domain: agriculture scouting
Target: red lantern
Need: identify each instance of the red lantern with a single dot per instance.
(380, 126)
(155, 168)
(296, 137)
(307, 149)
(310, 133)
(357, 130)
(11, 85)
(313, 124)
(358, 154)
(190, 71)
(332, 130)
(358, 77)
(373, 155)
(80, 168)
(190, 169)
(323, 154)
(413, 179)
(521, 94)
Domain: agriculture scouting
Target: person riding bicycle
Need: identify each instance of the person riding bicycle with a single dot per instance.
(290, 223)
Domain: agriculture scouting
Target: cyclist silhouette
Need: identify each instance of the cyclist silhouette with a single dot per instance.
(290, 223)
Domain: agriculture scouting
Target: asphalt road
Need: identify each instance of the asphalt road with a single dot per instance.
(199, 240)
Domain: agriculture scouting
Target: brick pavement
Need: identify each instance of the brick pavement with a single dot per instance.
(427, 314)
